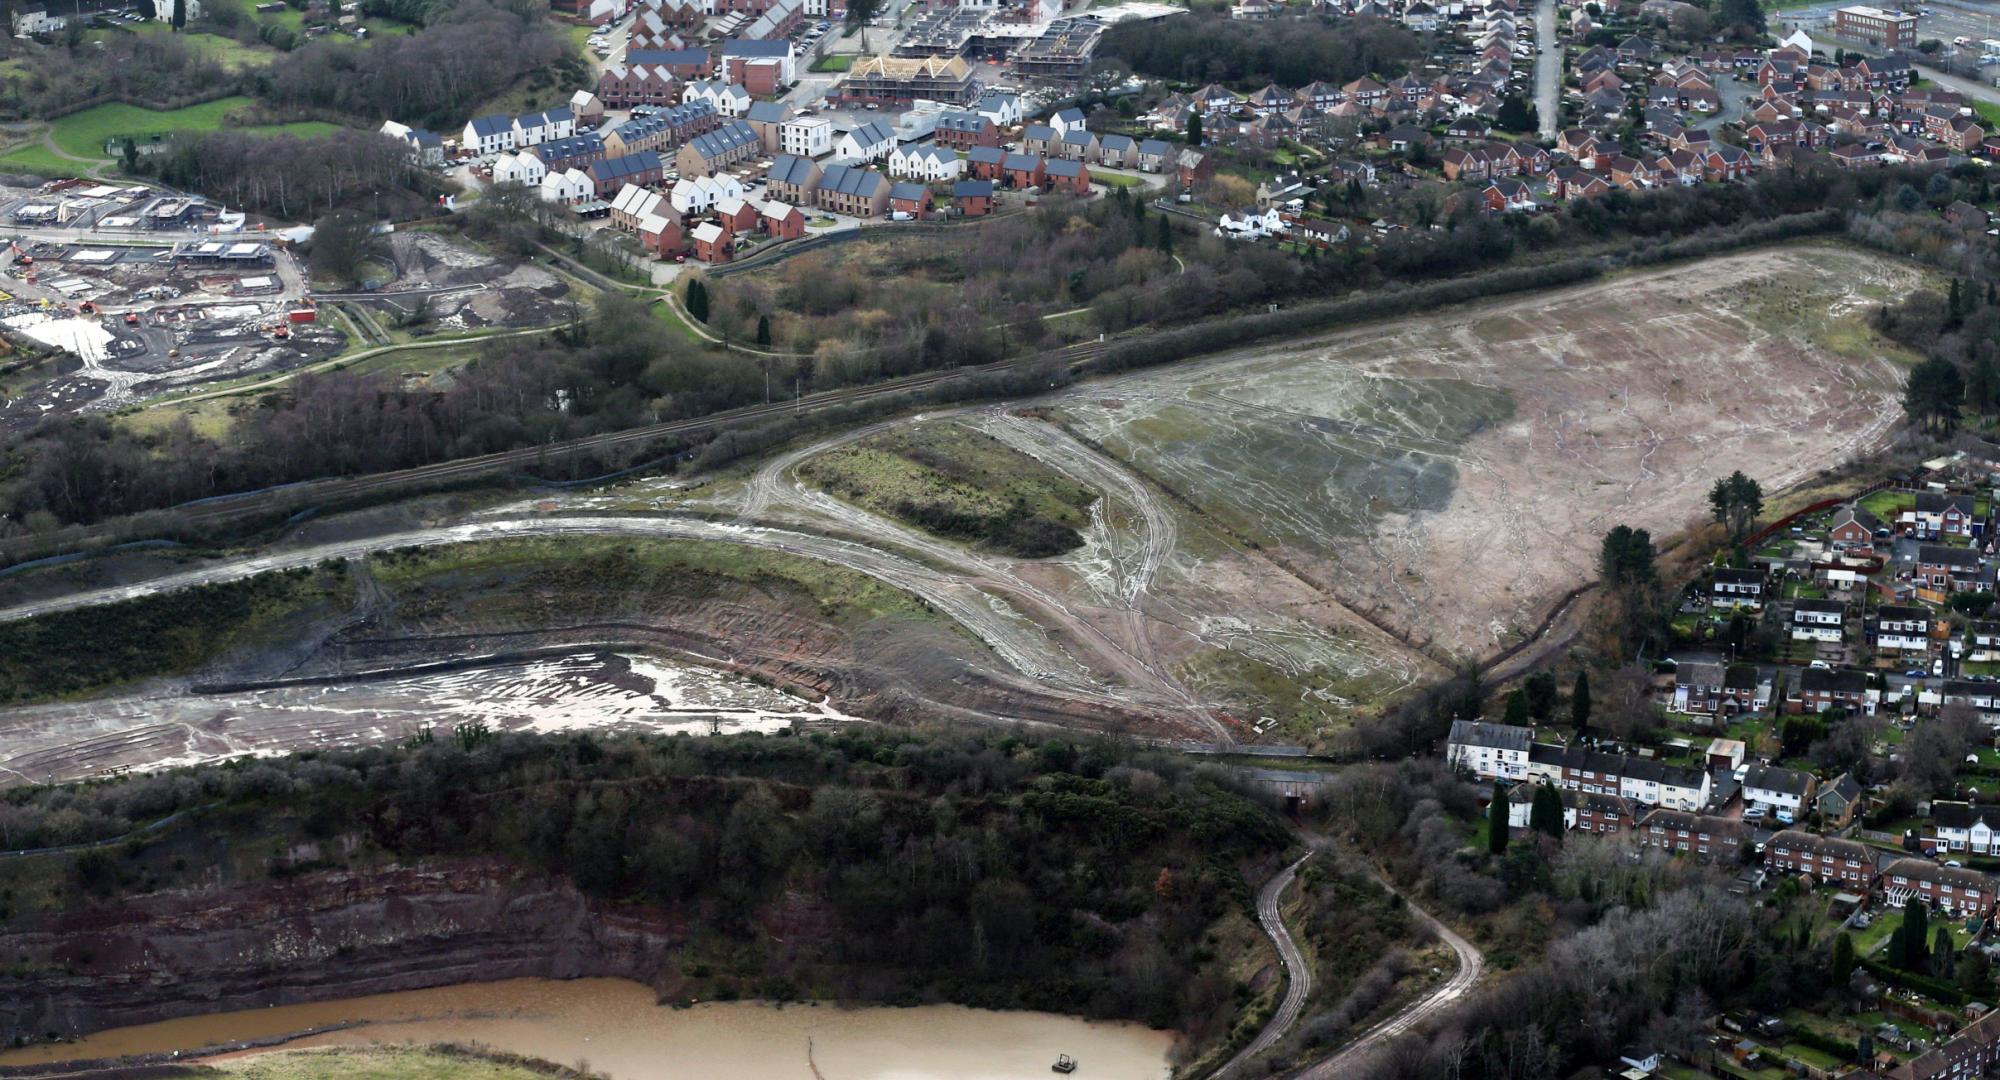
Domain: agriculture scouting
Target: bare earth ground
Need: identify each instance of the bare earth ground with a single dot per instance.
(1283, 537)
(598, 690)
(1453, 476)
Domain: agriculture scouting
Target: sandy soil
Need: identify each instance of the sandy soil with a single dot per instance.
(1453, 476)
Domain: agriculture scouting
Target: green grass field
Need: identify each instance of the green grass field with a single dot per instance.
(83, 134)
(37, 159)
(1115, 180)
(833, 62)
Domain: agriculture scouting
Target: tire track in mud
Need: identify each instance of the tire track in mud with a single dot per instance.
(776, 490)
(1273, 557)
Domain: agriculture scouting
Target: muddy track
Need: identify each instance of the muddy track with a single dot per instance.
(1298, 973)
(776, 493)
(1025, 644)
(1471, 963)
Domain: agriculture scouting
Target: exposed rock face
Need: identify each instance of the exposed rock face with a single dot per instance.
(311, 938)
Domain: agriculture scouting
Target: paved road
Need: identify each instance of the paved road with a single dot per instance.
(1971, 88)
(1298, 975)
(1548, 68)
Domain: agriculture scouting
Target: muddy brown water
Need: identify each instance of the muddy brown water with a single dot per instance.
(614, 1026)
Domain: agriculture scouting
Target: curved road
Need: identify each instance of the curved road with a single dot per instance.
(1470, 964)
(1298, 974)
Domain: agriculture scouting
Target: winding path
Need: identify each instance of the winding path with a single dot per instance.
(1298, 974)
(1470, 965)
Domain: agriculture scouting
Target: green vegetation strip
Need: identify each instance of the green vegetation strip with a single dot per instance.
(607, 576)
(961, 484)
(74, 652)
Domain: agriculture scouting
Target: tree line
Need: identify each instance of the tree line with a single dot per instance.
(979, 867)
(1290, 51)
(291, 177)
(465, 55)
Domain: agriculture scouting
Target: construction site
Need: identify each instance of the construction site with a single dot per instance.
(143, 318)
(112, 295)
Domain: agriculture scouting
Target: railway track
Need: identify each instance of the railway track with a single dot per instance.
(338, 489)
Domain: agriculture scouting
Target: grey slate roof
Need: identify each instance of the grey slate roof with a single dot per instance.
(1772, 778)
(1495, 736)
(789, 169)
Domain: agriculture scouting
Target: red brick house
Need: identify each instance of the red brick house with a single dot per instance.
(911, 199)
(1683, 833)
(782, 221)
(1969, 1053)
(661, 235)
(972, 198)
(1192, 167)
(965, 130)
(1019, 171)
(1507, 195)
(1844, 862)
(736, 216)
(1070, 177)
(1959, 892)
(1853, 527)
(711, 242)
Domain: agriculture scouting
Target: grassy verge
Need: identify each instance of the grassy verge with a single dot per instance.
(957, 483)
(672, 320)
(1115, 180)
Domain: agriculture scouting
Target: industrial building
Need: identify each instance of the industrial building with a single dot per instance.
(1888, 29)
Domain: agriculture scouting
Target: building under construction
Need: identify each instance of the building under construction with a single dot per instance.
(1063, 51)
(899, 80)
(243, 253)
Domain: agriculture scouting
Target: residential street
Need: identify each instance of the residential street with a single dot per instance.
(1548, 68)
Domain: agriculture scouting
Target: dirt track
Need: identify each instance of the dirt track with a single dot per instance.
(1453, 475)
(1262, 514)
